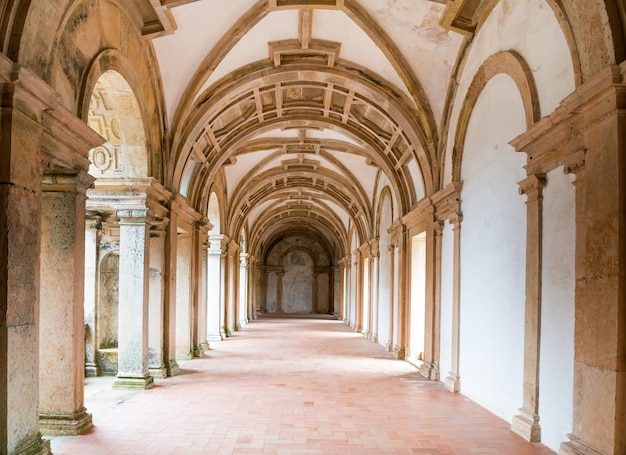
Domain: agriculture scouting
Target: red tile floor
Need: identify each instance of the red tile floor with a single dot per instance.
(288, 385)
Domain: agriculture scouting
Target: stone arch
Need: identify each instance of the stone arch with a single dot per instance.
(511, 64)
(114, 113)
(213, 213)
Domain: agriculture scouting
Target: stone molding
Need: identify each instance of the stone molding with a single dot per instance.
(574, 163)
(134, 215)
(558, 139)
(466, 16)
(532, 186)
(67, 181)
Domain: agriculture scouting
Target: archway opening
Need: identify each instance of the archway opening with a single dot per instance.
(418, 297)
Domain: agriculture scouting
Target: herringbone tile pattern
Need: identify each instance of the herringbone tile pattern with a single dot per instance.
(288, 385)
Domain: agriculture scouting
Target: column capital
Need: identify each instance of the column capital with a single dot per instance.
(532, 185)
(575, 164)
(67, 181)
(134, 215)
(93, 221)
(244, 261)
(158, 225)
(455, 219)
(374, 245)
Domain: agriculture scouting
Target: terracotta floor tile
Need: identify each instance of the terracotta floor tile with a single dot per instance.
(289, 385)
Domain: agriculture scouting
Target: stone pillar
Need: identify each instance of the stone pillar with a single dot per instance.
(453, 380)
(61, 352)
(342, 286)
(399, 240)
(232, 270)
(357, 287)
(169, 310)
(374, 245)
(223, 292)
(587, 131)
(279, 292)
(203, 337)
(215, 285)
(184, 252)
(23, 100)
(157, 357)
(242, 314)
(198, 315)
(526, 424)
(93, 234)
(430, 366)
(336, 299)
(253, 286)
(389, 345)
(132, 370)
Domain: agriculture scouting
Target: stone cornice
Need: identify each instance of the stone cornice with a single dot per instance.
(556, 140)
(420, 214)
(466, 16)
(109, 195)
(67, 181)
(188, 214)
(532, 185)
(67, 139)
(134, 215)
(447, 201)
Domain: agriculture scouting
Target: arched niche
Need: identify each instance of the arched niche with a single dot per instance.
(107, 308)
(213, 213)
(114, 113)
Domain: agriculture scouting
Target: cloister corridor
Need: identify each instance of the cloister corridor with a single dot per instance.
(292, 385)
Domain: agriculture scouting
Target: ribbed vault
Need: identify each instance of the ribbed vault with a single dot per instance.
(304, 137)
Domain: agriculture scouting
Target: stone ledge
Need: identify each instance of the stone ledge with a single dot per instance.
(37, 447)
(527, 426)
(65, 425)
(121, 382)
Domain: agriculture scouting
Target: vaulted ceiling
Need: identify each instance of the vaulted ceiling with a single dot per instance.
(299, 112)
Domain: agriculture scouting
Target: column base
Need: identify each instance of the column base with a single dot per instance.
(198, 351)
(172, 368)
(37, 447)
(389, 346)
(399, 352)
(92, 370)
(159, 372)
(430, 371)
(576, 447)
(453, 383)
(63, 424)
(375, 338)
(124, 382)
(526, 425)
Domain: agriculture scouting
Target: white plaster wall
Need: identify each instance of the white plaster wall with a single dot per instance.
(531, 29)
(447, 264)
(384, 280)
(493, 252)
(556, 386)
